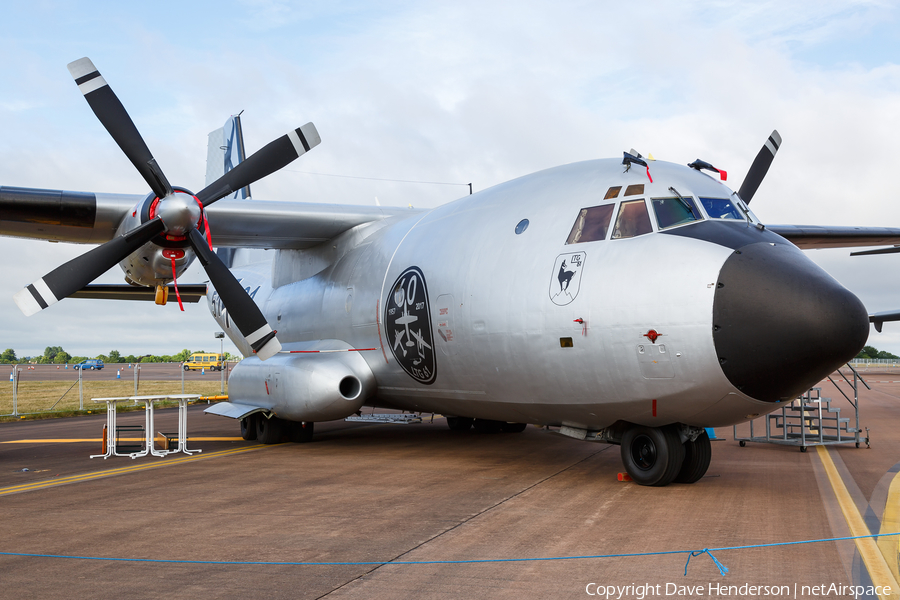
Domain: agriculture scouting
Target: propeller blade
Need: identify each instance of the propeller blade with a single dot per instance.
(67, 279)
(891, 250)
(760, 167)
(265, 161)
(109, 110)
(241, 307)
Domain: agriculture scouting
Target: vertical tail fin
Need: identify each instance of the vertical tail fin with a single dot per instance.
(224, 151)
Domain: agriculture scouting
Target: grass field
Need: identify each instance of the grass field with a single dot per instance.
(62, 396)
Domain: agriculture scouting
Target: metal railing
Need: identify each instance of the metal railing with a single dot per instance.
(874, 362)
(32, 389)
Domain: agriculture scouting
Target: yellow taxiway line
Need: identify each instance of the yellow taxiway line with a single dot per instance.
(890, 523)
(39, 485)
(869, 550)
(122, 439)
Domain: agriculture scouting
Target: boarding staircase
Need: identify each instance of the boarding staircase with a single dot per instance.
(811, 420)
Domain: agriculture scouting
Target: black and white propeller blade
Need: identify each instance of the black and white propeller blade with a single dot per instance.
(175, 216)
(70, 277)
(109, 110)
(265, 161)
(241, 309)
(760, 167)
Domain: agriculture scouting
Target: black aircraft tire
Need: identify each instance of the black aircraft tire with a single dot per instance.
(652, 455)
(459, 423)
(697, 455)
(302, 433)
(248, 427)
(269, 431)
(513, 427)
(488, 426)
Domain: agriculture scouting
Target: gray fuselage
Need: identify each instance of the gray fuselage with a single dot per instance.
(470, 311)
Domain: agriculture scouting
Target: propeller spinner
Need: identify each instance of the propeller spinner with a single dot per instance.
(176, 214)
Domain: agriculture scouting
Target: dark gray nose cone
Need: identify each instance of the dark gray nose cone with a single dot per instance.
(781, 323)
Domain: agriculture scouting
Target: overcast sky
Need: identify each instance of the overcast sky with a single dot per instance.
(471, 91)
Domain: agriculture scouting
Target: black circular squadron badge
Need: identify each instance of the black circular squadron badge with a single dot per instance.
(407, 323)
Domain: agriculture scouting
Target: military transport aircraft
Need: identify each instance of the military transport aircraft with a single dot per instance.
(631, 301)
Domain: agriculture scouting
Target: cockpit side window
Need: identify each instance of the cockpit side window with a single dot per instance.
(633, 220)
(721, 208)
(674, 211)
(591, 224)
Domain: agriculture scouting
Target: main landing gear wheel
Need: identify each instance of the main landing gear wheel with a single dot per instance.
(488, 426)
(269, 430)
(459, 423)
(248, 427)
(697, 455)
(652, 455)
(301, 433)
(513, 427)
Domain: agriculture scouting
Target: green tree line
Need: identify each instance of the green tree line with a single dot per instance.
(55, 355)
(871, 352)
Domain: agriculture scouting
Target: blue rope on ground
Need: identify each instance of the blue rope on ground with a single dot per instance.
(722, 568)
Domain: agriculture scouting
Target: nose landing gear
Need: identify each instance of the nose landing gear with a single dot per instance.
(656, 456)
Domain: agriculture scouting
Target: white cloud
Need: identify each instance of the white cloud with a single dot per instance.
(473, 91)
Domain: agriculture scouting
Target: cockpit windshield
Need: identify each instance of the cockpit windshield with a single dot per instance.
(591, 224)
(674, 211)
(632, 221)
(721, 208)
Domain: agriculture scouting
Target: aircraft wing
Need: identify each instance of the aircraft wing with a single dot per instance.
(89, 218)
(818, 236)
(295, 225)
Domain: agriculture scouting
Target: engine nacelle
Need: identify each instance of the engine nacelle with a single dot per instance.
(151, 264)
(310, 386)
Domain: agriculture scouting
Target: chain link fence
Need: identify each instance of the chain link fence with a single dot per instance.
(35, 389)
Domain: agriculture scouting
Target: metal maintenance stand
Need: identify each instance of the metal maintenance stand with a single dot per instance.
(183, 400)
(149, 401)
(810, 420)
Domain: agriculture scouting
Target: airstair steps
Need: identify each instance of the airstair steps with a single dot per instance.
(811, 420)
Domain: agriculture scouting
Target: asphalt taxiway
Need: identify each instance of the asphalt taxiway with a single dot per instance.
(245, 520)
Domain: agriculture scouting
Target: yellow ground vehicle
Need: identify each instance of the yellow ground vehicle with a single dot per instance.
(205, 360)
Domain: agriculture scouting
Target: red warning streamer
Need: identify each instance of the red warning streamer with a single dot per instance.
(205, 223)
(175, 283)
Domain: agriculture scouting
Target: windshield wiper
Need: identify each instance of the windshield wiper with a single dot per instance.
(684, 202)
